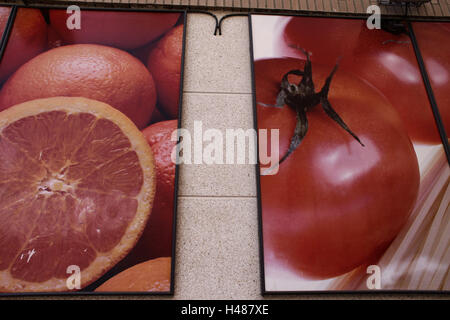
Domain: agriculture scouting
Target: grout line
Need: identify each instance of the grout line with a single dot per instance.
(212, 92)
(215, 197)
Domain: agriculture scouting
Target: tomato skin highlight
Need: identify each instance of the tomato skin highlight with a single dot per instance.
(385, 60)
(334, 205)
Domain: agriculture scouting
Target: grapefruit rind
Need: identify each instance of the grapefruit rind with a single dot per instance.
(104, 260)
(149, 276)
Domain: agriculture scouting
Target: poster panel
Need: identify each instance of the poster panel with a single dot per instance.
(89, 100)
(354, 180)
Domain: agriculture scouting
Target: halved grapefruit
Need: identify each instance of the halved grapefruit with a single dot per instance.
(77, 182)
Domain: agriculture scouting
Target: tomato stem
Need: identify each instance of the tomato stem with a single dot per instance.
(301, 98)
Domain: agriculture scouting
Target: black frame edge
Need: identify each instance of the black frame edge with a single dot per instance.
(3, 44)
(439, 126)
(429, 88)
(177, 166)
(7, 31)
(257, 166)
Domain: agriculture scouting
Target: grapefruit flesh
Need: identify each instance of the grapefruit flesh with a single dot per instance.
(77, 183)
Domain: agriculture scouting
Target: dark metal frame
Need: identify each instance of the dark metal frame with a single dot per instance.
(3, 45)
(439, 124)
(400, 3)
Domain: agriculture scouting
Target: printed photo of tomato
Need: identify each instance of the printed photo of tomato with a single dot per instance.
(384, 59)
(360, 197)
(88, 103)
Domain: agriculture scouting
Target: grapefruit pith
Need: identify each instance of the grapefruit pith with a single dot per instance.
(77, 182)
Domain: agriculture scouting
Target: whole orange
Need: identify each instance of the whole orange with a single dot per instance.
(164, 62)
(125, 30)
(92, 71)
(149, 276)
(157, 235)
(28, 38)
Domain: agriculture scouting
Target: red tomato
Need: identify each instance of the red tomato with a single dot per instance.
(385, 60)
(334, 204)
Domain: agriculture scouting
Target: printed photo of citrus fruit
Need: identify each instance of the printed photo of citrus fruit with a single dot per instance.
(164, 64)
(27, 39)
(88, 102)
(156, 240)
(149, 276)
(78, 182)
(92, 71)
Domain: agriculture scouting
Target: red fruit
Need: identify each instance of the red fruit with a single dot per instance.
(433, 40)
(28, 38)
(334, 204)
(92, 71)
(156, 241)
(149, 276)
(77, 186)
(164, 62)
(124, 30)
(385, 60)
